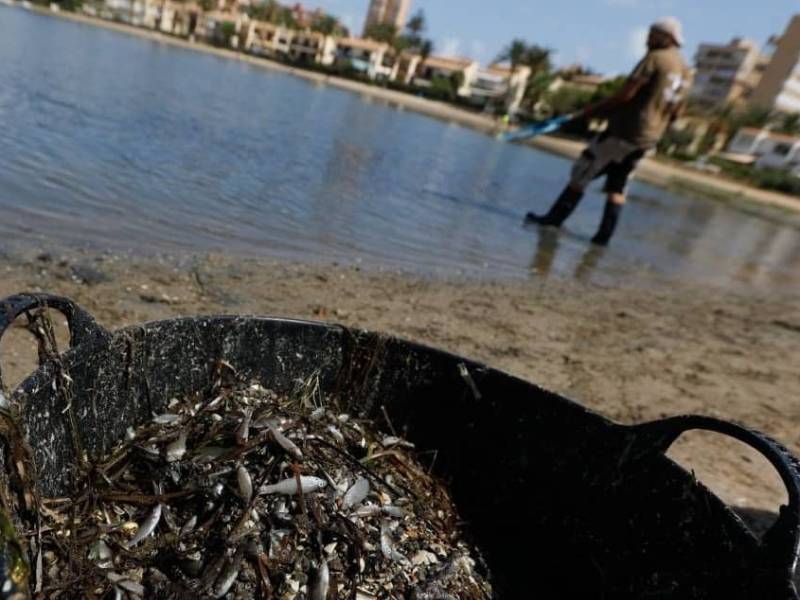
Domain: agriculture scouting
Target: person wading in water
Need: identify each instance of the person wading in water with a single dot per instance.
(652, 98)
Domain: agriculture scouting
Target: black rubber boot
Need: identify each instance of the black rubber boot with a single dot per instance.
(608, 224)
(561, 209)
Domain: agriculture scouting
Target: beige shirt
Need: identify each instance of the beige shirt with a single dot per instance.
(665, 80)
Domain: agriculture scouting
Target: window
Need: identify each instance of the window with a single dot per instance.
(782, 149)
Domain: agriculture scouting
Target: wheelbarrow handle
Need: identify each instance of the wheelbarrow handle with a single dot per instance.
(782, 542)
(82, 326)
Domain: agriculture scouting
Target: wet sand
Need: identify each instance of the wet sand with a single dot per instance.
(631, 354)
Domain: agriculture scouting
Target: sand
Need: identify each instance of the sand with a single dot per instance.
(632, 354)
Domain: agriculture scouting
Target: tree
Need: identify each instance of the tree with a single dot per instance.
(790, 124)
(416, 26)
(382, 32)
(519, 53)
(425, 50)
(514, 53)
(537, 59)
(609, 88)
(328, 25)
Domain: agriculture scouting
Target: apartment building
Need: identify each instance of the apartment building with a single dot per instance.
(179, 18)
(372, 58)
(311, 47)
(768, 148)
(441, 67)
(498, 83)
(215, 26)
(779, 88)
(393, 12)
(725, 73)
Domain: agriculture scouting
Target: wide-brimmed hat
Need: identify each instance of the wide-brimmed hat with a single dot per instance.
(671, 26)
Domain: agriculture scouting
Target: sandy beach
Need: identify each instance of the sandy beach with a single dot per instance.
(632, 354)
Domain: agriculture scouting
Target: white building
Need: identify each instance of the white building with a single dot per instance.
(312, 47)
(498, 83)
(779, 88)
(372, 58)
(767, 149)
(725, 73)
(390, 12)
(439, 67)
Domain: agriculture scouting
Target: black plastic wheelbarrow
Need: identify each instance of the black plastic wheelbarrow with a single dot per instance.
(562, 502)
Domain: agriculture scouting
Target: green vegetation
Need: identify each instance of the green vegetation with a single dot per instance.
(446, 88)
(382, 32)
(329, 25)
(411, 40)
(522, 54)
(768, 179)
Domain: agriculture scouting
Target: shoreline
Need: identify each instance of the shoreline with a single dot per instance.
(652, 171)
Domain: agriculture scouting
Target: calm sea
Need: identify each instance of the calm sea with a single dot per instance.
(112, 142)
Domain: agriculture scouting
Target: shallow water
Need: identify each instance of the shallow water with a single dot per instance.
(117, 143)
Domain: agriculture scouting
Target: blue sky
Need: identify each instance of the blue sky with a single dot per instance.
(608, 35)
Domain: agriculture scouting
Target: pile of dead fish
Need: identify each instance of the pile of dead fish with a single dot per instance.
(245, 494)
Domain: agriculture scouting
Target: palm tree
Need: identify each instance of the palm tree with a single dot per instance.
(537, 59)
(514, 53)
(416, 25)
(519, 53)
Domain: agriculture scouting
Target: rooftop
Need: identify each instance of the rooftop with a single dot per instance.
(448, 63)
(773, 135)
(361, 44)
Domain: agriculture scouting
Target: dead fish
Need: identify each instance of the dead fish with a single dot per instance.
(229, 574)
(188, 527)
(177, 449)
(285, 443)
(243, 431)
(148, 527)
(391, 440)
(289, 486)
(356, 494)
(137, 589)
(166, 419)
(4, 403)
(120, 581)
(337, 434)
(211, 453)
(393, 511)
(367, 511)
(100, 552)
(319, 582)
(387, 547)
(245, 484)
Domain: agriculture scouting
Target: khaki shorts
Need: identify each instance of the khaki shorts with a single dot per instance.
(610, 156)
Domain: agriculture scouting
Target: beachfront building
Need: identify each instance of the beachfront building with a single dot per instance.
(779, 87)
(223, 28)
(311, 47)
(405, 67)
(767, 149)
(460, 71)
(586, 83)
(267, 39)
(391, 12)
(725, 73)
(179, 18)
(499, 85)
(369, 57)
